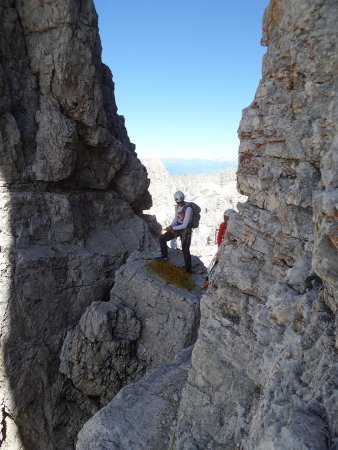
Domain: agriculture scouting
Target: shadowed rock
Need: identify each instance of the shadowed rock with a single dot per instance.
(143, 414)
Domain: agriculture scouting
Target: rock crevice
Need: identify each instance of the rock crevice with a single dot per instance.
(81, 318)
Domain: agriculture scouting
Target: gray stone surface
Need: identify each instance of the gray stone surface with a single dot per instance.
(70, 187)
(264, 368)
(169, 315)
(99, 354)
(143, 414)
(146, 323)
(59, 117)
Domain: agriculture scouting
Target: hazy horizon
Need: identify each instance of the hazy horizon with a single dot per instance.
(177, 166)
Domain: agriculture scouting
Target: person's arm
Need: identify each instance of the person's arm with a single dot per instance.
(186, 221)
(175, 219)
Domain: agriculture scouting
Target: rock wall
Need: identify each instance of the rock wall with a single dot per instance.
(149, 405)
(264, 368)
(70, 187)
(162, 189)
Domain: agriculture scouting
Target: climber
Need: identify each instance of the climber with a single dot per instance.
(223, 226)
(220, 236)
(179, 227)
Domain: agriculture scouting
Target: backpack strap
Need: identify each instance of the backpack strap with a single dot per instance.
(192, 209)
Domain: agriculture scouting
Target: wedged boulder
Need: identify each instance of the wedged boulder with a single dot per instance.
(99, 354)
(144, 325)
(169, 315)
(143, 414)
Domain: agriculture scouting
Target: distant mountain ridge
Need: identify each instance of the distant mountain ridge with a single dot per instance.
(176, 166)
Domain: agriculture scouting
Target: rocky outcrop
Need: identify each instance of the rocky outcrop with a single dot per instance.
(158, 393)
(169, 315)
(162, 189)
(98, 355)
(146, 323)
(59, 119)
(70, 185)
(264, 369)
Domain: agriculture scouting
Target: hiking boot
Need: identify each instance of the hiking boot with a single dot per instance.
(205, 284)
(162, 258)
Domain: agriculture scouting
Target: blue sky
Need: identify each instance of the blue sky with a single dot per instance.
(183, 71)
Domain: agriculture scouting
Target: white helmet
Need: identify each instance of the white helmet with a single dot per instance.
(179, 197)
(228, 212)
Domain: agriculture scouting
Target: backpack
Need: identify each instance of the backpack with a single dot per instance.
(196, 216)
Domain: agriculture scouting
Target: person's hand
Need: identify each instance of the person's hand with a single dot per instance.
(170, 228)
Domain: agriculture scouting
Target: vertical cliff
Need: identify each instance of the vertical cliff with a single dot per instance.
(264, 369)
(263, 372)
(70, 187)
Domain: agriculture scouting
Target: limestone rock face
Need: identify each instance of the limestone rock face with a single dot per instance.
(60, 106)
(145, 324)
(169, 315)
(264, 369)
(80, 315)
(162, 189)
(70, 184)
(99, 354)
(150, 405)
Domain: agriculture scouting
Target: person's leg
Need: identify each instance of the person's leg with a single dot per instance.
(164, 238)
(186, 241)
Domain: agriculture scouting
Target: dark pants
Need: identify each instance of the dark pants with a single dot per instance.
(185, 236)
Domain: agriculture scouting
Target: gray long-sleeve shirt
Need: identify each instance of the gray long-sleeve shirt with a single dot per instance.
(183, 216)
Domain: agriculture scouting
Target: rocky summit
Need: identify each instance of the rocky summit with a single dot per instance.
(97, 351)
